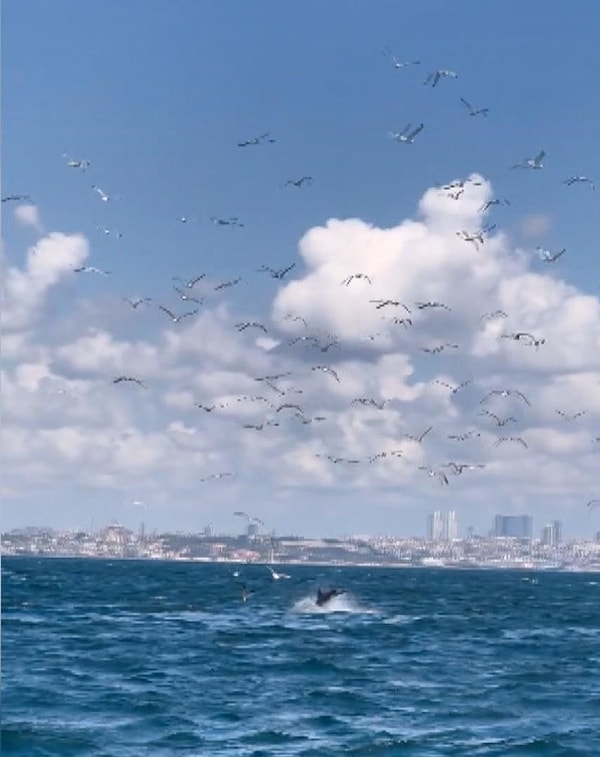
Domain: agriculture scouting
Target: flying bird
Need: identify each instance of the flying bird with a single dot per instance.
(474, 111)
(458, 468)
(394, 303)
(406, 135)
(489, 203)
(534, 163)
(494, 314)
(353, 276)
(441, 73)
(243, 325)
(505, 393)
(432, 304)
(277, 273)
(579, 180)
(454, 388)
(439, 348)
(262, 138)
(91, 269)
(16, 198)
(326, 369)
(299, 183)
(80, 164)
(400, 63)
(227, 284)
(441, 476)
(499, 421)
(547, 256)
(136, 303)
(131, 379)
(276, 576)
(517, 439)
(231, 221)
(177, 318)
(186, 297)
(569, 417)
(103, 196)
(216, 475)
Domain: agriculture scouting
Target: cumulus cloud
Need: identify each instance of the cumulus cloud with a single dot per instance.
(344, 396)
(29, 215)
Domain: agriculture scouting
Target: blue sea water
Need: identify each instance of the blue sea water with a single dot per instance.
(161, 658)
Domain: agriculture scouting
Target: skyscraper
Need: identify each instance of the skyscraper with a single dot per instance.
(518, 526)
(552, 533)
(441, 526)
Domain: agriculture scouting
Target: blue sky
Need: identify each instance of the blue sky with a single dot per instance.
(157, 99)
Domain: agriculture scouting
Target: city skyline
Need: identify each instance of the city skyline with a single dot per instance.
(237, 276)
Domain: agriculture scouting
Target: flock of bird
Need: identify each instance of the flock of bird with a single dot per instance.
(279, 401)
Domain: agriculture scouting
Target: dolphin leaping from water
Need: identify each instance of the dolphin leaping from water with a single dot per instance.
(324, 596)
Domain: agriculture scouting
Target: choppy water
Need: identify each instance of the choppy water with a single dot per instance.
(134, 658)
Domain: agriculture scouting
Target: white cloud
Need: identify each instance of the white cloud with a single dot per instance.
(29, 215)
(66, 423)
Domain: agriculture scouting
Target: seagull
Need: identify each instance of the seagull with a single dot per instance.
(186, 297)
(406, 322)
(246, 593)
(499, 421)
(277, 273)
(458, 468)
(494, 314)
(395, 303)
(131, 379)
(517, 439)
(336, 460)
(216, 475)
(16, 198)
(505, 393)
(532, 162)
(103, 196)
(489, 203)
(276, 576)
(442, 477)
(326, 369)
(231, 221)
(369, 401)
(136, 303)
(406, 135)
(474, 111)
(441, 73)
(177, 318)
(299, 183)
(431, 304)
(91, 269)
(256, 140)
(227, 284)
(81, 164)
(243, 325)
(547, 256)
(573, 417)
(305, 339)
(525, 336)
(463, 437)
(420, 438)
(293, 318)
(456, 388)
(476, 237)
(439, 348)
(579, 180)
(348, 279)
(398, 63)
(593, 503)
(191, 282)
(107, 232)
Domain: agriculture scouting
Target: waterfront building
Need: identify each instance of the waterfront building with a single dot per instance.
(517, 526)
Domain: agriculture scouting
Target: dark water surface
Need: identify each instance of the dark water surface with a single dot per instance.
(155, 658)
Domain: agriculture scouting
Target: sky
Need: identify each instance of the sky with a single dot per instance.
(122, 125)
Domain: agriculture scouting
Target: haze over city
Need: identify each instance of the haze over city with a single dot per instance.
(238, 274)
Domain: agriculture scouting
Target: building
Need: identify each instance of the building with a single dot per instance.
(517, 526)
(552, 533)
(442, 526)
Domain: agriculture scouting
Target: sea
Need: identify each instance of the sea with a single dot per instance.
(127, 658)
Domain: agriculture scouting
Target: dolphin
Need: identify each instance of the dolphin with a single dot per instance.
(324, 596)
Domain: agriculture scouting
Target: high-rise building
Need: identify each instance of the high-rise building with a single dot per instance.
(441, 526)
(518, 526)
(552, 533)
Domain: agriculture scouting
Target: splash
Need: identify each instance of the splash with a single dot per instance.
(342, 603)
